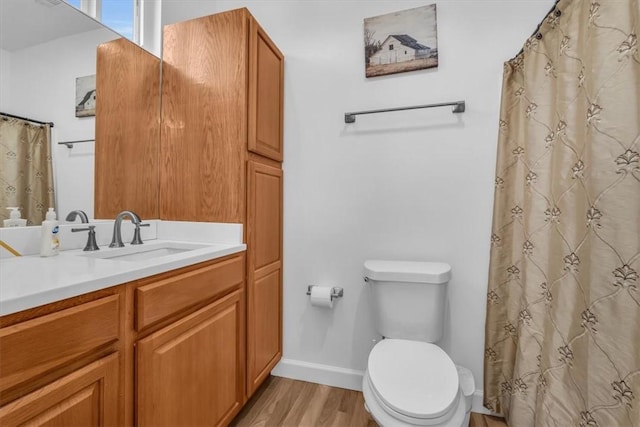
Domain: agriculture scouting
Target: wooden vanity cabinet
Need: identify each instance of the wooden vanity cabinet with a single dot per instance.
(61, 365)
(266, 95)
(263, 223)
(167, 350)
(264, 272)
(190, 372)
(89, 396)
(127, 130)
(221, 150)
(190, 348)
(222, 98)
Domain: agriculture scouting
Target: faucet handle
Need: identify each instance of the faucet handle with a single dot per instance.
(137, 240)
(91, 240)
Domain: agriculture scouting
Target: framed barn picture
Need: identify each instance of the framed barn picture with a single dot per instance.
(401, 41)
(86, 96)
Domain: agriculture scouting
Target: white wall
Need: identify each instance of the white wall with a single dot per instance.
(5, 75)
(43, 87)
(151, 34)
(413, 185)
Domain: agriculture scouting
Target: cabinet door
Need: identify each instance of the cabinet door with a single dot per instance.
(266, 93)
(191, 372)
(264, 272)
(204, 119)
(86, 397)
(127, 130)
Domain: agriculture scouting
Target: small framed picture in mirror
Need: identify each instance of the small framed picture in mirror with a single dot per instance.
(86, 96)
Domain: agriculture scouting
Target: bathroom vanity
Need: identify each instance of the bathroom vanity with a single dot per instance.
(190, 343)
(221, 149)
(173, 343)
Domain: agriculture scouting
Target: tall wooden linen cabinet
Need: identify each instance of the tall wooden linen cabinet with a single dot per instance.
(221, 152)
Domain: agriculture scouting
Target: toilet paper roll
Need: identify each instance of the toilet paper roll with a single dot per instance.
(321, 296)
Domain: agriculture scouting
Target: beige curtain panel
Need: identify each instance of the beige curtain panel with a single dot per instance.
(563, 307)
(26, 176)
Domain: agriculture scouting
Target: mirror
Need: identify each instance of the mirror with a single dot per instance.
(45, 45)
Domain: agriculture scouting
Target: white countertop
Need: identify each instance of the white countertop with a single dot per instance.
(31, 281)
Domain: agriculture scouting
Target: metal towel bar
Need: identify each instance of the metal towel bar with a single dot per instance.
(458, 107)
(69, 144)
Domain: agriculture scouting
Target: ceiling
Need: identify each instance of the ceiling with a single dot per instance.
(25, 23)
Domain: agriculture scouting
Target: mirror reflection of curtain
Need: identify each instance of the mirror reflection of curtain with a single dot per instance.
(563, 304)
(26, 176)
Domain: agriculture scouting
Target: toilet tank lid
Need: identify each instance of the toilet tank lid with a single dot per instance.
(407, 271)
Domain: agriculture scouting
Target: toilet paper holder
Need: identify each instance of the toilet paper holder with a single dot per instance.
(335, 292)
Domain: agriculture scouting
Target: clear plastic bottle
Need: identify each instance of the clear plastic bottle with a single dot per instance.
(14, 219)
(50, 242)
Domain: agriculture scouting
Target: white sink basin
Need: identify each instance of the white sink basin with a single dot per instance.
(145, 251)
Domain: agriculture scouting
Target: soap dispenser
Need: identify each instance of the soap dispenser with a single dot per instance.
(14, 219)
(50, 241)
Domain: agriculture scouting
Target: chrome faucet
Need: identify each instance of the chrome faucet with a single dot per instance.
(74, 214)
(116, 240)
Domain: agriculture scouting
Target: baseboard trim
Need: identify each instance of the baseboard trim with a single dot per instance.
(333, 376)
(476, 404)
(350, 379)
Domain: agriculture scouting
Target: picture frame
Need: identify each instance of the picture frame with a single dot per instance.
(86, 96)
(401, 41)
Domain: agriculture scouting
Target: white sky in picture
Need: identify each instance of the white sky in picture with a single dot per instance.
(419, 23)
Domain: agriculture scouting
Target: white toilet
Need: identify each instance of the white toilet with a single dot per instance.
(409, 380)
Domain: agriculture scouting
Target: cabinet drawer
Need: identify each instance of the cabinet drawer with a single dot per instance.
(167, 296)
(40, 345)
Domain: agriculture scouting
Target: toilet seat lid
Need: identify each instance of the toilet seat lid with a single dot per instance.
(414, 378)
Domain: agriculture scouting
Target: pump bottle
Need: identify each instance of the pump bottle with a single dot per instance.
(14, 219)
(50, 237)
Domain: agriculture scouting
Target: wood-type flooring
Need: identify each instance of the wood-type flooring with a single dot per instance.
(282, 402)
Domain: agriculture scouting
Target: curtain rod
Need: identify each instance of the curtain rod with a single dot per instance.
(537, 33)
(13, 116)
(458, 107)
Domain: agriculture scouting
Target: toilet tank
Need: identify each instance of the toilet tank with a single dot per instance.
(409, 298)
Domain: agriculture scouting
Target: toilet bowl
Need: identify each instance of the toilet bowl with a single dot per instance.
(412, 383)
(409, 380)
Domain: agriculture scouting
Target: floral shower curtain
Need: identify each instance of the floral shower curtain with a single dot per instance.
(26, 176)
(563, 307)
